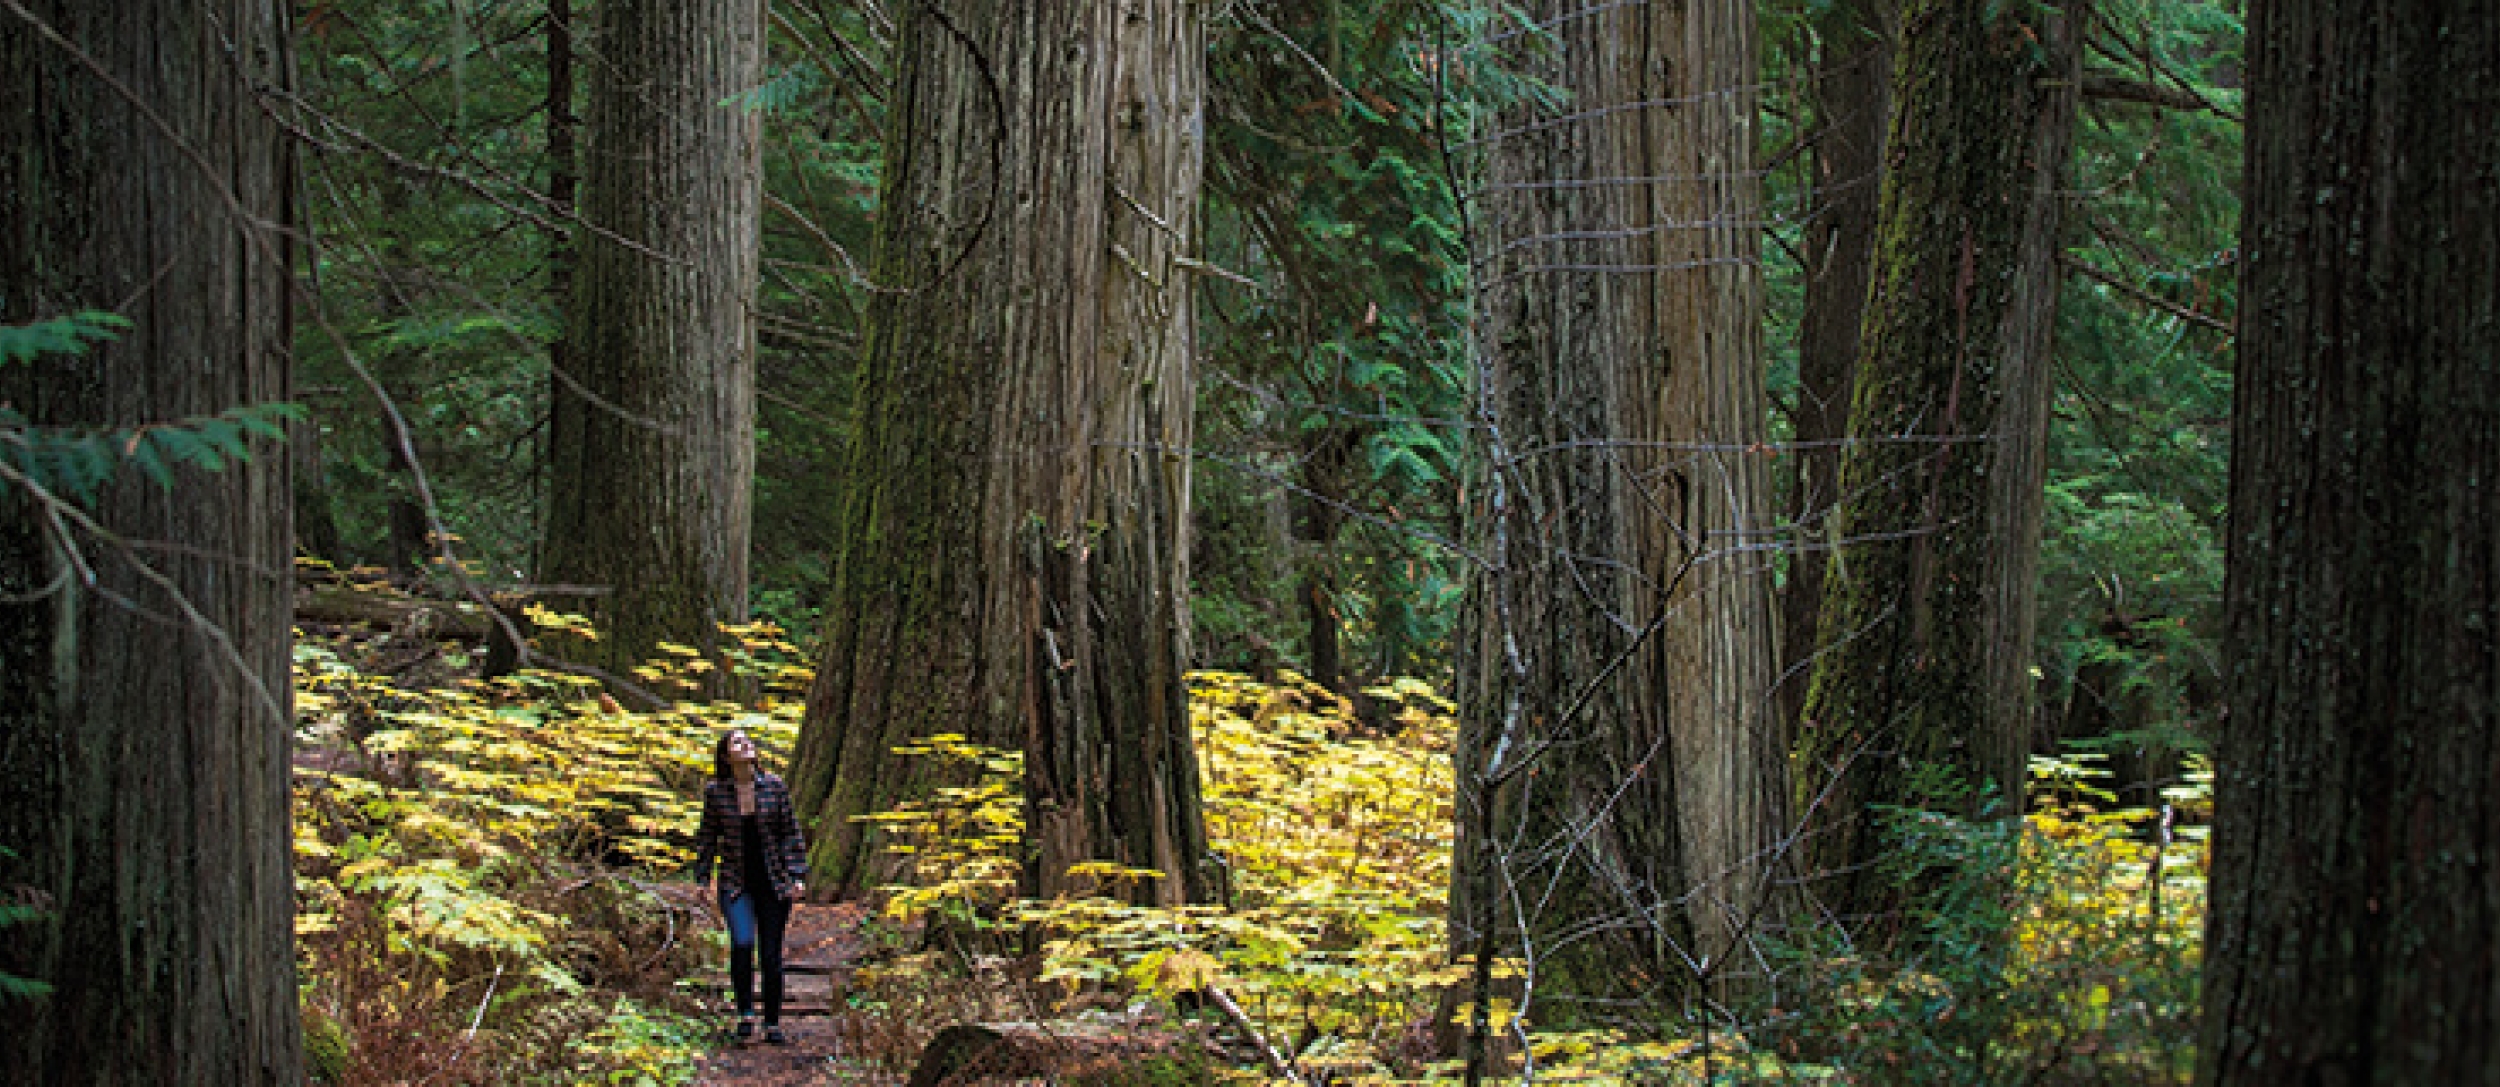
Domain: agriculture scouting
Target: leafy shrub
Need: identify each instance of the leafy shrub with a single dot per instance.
(1336, 846)
(473, 872)
(2060, 949)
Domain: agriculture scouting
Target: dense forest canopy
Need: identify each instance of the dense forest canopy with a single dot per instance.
(1740, 539)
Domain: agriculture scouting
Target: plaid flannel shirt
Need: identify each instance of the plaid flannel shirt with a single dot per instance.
(717, 840)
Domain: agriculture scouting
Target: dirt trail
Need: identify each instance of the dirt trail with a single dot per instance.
(823, 947)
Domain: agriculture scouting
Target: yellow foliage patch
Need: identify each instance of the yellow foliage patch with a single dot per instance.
(1336, 846)
(445, 839)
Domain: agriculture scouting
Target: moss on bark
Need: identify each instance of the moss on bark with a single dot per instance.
(1920, 694)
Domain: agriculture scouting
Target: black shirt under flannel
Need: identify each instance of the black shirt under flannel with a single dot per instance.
(717, 840)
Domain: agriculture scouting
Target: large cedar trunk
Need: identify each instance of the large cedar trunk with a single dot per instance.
(1011, 557)
(1921, 689)
(144, 710)
(1851, 95)
(1623, 630)
(651, 450)
(2354, 932)
(1706, 543)
(563, 185)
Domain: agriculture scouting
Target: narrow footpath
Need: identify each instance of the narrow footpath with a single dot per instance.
(822, 949)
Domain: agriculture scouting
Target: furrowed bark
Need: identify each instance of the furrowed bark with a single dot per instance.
(651, 447)
(145, 710)
(2354, 931)
(1921, 690)
(1011, 558)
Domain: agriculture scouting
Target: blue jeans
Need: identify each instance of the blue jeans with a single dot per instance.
(757, 919)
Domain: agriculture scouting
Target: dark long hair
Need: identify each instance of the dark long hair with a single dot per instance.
(720, 756)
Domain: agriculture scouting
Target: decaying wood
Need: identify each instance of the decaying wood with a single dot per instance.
(458, 620)
(969, 1053)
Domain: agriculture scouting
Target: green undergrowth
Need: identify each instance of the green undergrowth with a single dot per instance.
(1334, 836)
(2060, 949)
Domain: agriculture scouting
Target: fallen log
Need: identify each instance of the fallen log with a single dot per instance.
(1058, 1052)
(385, 609)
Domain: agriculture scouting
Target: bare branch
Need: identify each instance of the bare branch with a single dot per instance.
(2104, 87)
(2147, 298)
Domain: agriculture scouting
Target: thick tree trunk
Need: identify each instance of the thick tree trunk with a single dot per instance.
(316, 522)
(1707, 530)
(144, 699)
(652, 445)
(1011, 564)
(1565, 342)
(1323, 469)
(408, 540)
(1851, 94)
(2354, 932)
(1624, 632)
(564, 179)
(408, 550)
(1926, 626)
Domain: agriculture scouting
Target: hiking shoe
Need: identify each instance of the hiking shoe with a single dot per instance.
(774, 1036)
(745, 1030)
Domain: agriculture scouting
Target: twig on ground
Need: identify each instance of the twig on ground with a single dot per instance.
(1241, 1020)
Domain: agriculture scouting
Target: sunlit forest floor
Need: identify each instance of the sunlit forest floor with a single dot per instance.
(491, 890)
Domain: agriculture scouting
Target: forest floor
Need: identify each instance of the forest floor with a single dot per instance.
(859, 1013)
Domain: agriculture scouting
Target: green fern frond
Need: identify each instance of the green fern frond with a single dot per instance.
(782, 93)
(13, 987)
(76, 461)
(59, 336)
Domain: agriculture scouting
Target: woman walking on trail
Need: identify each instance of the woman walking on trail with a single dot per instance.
(750, 829)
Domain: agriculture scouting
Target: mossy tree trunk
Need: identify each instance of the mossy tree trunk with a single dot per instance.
(2354, 931)
(1851, 95)
(144, 698)
(1011, 557)
(651, 447)
(1622, 634)
(1921, 691)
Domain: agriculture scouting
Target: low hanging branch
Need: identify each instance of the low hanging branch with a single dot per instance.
(2139, 294)
(2110, 88)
